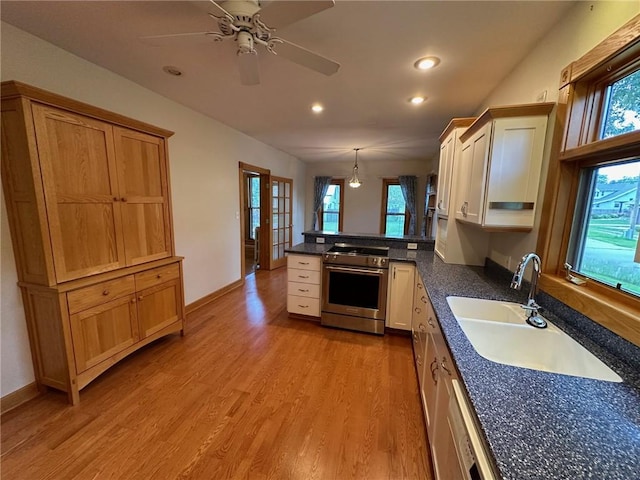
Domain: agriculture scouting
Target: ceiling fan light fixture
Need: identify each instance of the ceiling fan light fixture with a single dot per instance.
(317, 108)
(417, 100)
(354, 181)
(426, 63)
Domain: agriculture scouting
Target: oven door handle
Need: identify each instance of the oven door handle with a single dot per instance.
(376, 271)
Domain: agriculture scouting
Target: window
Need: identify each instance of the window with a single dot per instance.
(395, 216)
(330, 215)
(604, 236)
(591, 206)
(253, 205)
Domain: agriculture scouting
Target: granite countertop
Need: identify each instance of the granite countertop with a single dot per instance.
(538, 425)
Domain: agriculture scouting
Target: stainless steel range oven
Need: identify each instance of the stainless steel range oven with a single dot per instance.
(354, 287)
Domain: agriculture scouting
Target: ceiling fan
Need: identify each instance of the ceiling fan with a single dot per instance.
(253, 22)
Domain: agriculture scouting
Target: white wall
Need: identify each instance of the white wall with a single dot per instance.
(363, 204)
(204, 156)
(585, 25)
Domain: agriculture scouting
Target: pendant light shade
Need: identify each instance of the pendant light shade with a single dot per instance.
(354, 181)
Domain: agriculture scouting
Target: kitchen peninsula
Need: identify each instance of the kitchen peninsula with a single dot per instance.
(534, 424)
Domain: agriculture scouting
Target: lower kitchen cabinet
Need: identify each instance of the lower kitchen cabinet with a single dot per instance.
(81, 328)
(303, 285)
(400, 295)
(436, 372)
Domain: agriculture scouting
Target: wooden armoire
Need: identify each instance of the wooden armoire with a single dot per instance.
(89, 208)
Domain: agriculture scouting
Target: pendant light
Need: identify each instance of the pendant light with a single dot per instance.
(355, 182)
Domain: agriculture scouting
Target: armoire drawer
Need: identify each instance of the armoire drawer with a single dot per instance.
(87, 297)
(156, 276)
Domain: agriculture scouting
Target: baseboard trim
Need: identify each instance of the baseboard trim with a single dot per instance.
(17, 398)
(201, 302)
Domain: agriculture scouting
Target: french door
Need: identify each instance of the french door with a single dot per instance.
(281, 219)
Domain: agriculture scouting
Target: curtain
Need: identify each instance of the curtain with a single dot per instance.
(408, 184)
(320, 189)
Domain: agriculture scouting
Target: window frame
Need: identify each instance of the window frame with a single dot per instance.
(577, 145)
(386, 183)
(340, 183)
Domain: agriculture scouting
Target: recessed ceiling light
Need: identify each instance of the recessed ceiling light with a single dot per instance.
(425, 63)
(175, 71)
(417, 100)
(317, 108)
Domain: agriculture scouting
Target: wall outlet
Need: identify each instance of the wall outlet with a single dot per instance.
(319, 239)
(412, 246)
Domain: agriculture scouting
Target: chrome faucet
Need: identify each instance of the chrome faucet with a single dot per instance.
(531, 307)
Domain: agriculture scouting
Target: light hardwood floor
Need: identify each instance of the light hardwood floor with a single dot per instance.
(247, 393)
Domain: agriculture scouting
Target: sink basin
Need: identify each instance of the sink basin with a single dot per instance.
(497, 331)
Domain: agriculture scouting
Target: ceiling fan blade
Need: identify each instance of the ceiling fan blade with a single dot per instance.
(249, 71)
(306, 58)
(213, 8)
(280, 13)
(193, 38)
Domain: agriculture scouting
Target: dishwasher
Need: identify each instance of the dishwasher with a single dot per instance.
(469, 448)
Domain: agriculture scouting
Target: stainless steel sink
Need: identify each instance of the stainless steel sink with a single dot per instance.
(498, 332)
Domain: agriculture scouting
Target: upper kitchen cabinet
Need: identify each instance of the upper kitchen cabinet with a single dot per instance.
(87, 190)
(449, 146)
(499, 170)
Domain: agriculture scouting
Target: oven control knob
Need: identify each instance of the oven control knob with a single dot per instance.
(335, 256)
(383, 261)
(375, 261)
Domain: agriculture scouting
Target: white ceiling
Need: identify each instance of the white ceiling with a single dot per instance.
(376, 43)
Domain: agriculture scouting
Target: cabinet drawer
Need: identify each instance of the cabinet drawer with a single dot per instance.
(303, 305)
(304, 289)
(304, 262)
(83, 298)
(303, 276)
(156, 276)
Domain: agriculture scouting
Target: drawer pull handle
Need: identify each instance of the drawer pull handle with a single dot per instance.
(303, 290)
(303, 276)
(303, 306)
(105, 292)
(303, 263)
(433, 367)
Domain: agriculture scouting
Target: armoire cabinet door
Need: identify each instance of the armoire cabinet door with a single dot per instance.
(102, 331)
(80, 186)
(142, 183)
(159, 307)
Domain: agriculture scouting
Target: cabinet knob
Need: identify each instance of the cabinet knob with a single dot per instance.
(115, 199)
(158, 276)
(424, 299)
(133, 300)
(442, 364)
(430, 322)
(422, 327)
(140, 298)
(417, 310)
(123, 199)
(105, 292)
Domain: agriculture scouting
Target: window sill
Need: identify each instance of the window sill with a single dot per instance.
(613, 310)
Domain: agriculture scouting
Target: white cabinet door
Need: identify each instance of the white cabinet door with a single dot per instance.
(514, 173)
(444, 175)
(400, 296)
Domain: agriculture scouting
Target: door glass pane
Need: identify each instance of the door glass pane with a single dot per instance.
(275, 221)
(275, 188)
(287, 190)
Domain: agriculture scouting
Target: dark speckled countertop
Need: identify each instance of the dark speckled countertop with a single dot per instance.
(538, 425)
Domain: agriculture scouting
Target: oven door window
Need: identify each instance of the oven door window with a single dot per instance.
(354, 289)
